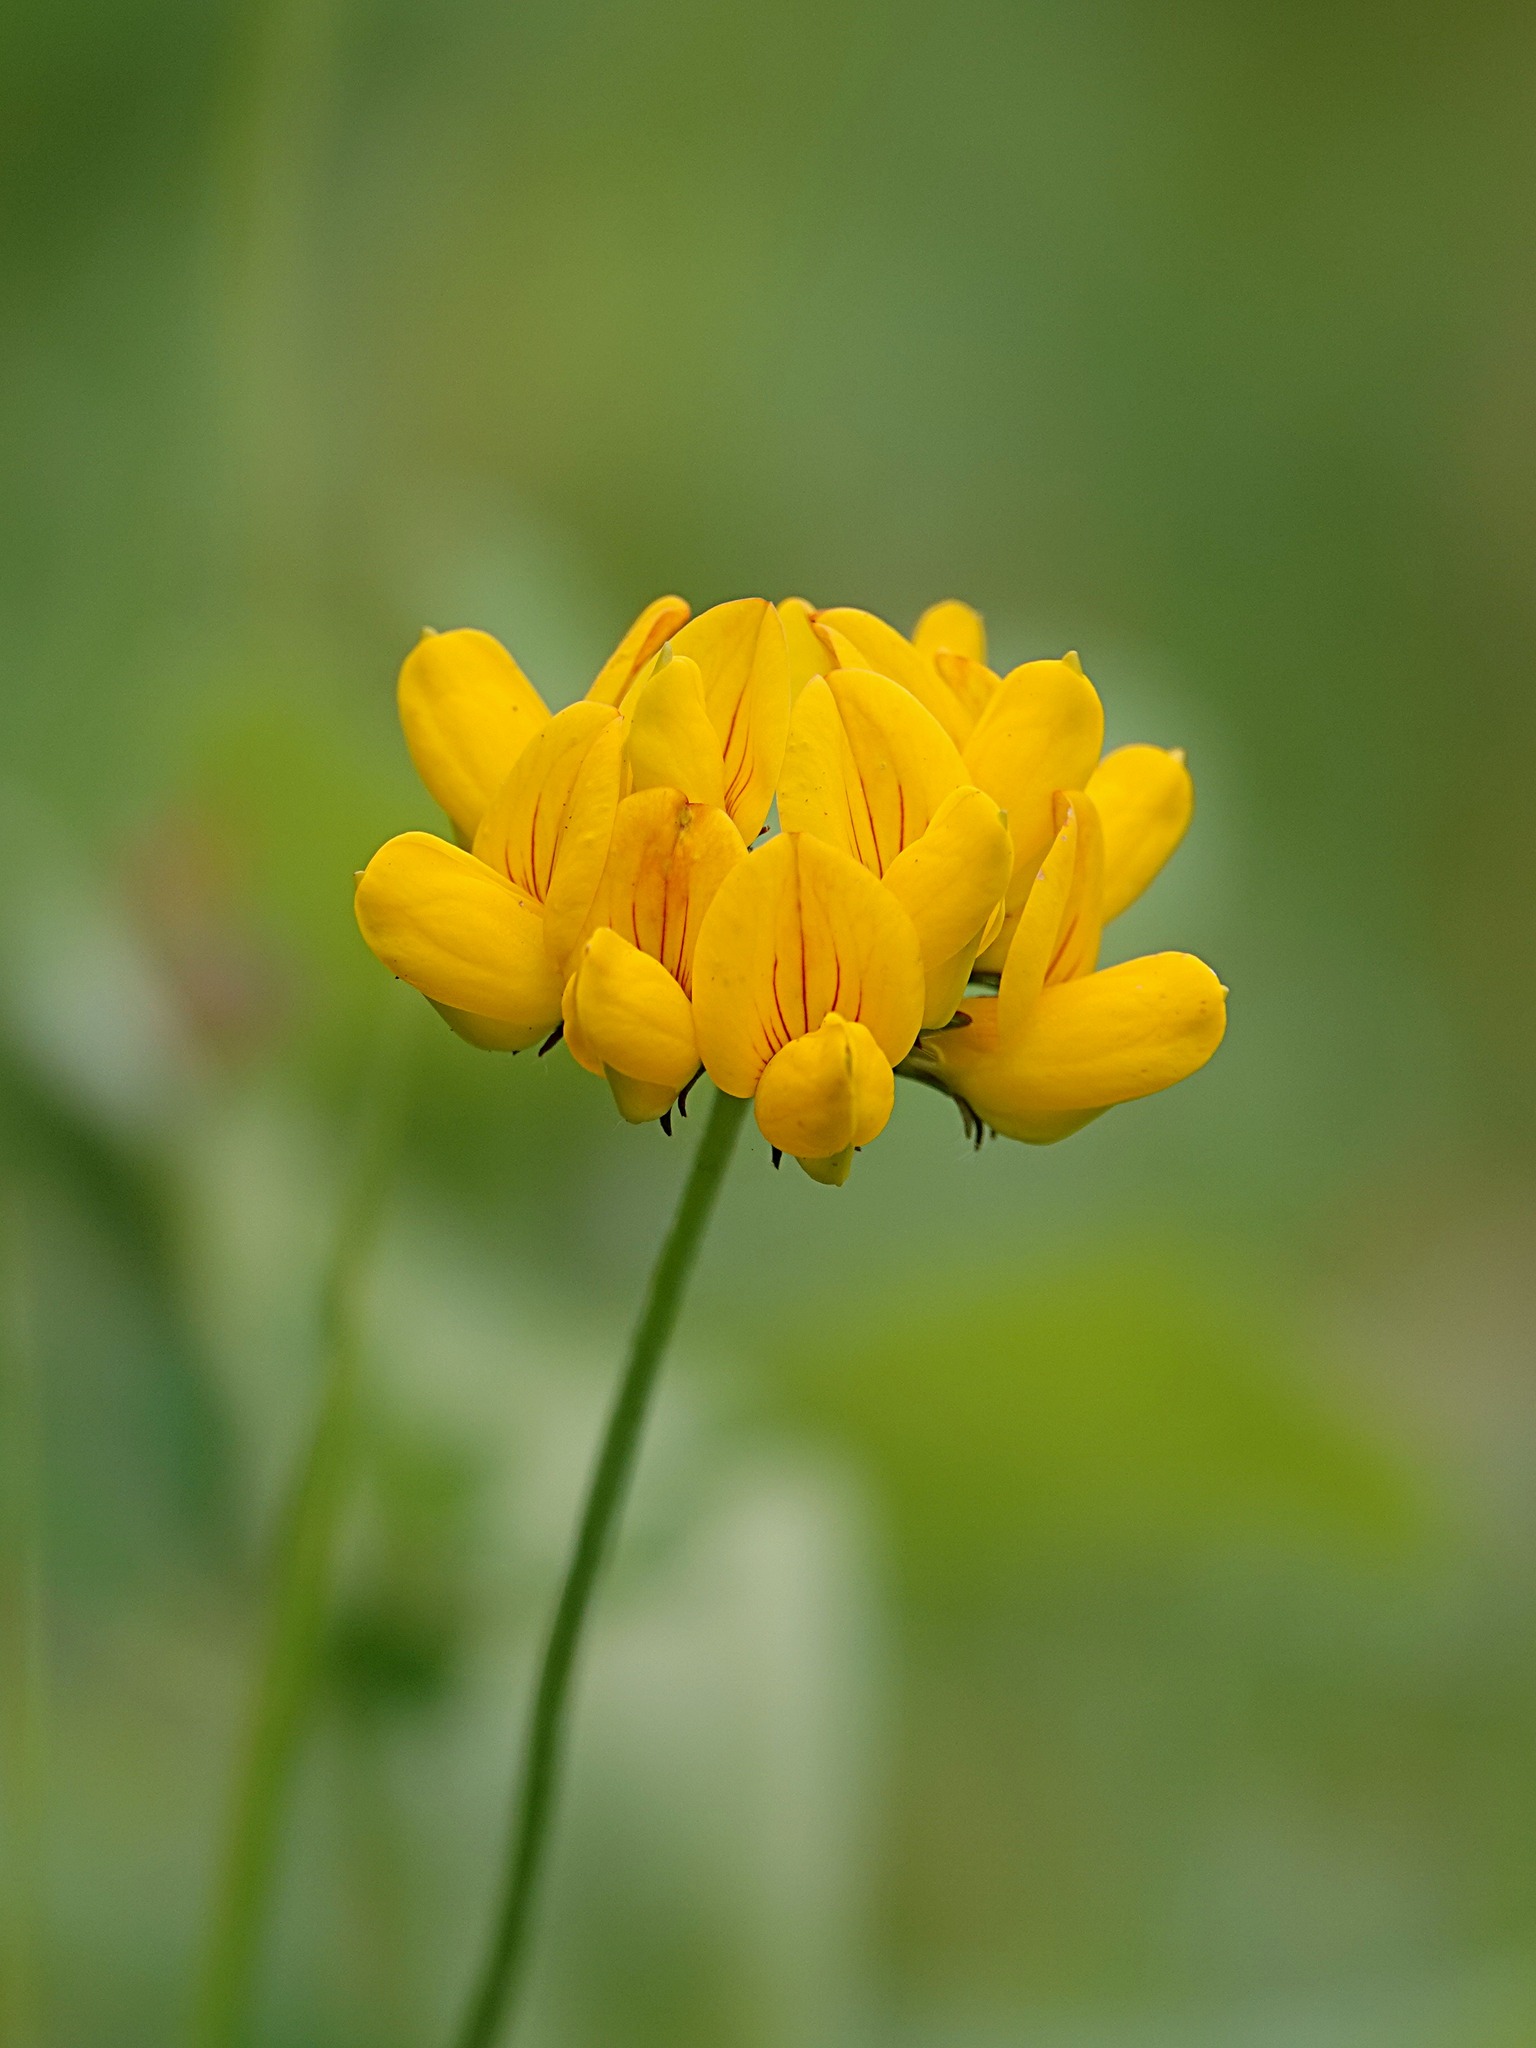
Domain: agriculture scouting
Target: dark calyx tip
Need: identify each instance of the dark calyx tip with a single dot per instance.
(777, 1156)
(971, 1123)
(553, 1040)
(682, 1100)
(666, 1122)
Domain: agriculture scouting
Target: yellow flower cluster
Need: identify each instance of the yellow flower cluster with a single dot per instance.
(940, 829)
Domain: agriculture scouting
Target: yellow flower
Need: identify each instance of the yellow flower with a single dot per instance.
(468, 710)
(712, 719)
(857, 639)
(486, 933)
(940, 824)
(1021, 737)
(628, 1003)
(1060, 1043)
(872, 773)
(807, 992)
(698, 707)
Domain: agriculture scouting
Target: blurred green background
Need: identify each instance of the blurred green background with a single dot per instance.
(1081, 1598)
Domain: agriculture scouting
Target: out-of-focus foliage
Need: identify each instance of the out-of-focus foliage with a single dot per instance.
(1080, 1596)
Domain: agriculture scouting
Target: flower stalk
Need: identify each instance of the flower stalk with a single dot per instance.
(501, 1974)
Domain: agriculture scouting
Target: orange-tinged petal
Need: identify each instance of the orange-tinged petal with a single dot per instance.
(649, 633)
(666, 860)
(950, 883)
(951, 628)
(467, 711)
(866, 766)
(1110, 1037)
(799, 929)
(974, 684)
(741, 653)
(1042, 732)
(1145, 799)
(840, 652)
(549, 827)
(826, 1093)
(459, 932)
(882, 648)
(672, 744)
(807, 652)
(625, 1015)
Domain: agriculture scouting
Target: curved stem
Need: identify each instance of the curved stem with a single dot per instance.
(301, 1577)
(543, 1749)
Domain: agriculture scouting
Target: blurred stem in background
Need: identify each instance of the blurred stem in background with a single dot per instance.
(284, 65)
(21, 1636)
(501, 1974)
(301, 1575)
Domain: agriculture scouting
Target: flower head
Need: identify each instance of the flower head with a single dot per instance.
(950, 847)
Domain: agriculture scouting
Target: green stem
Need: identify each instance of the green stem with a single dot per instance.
(542, 1754)
(301, 1579)
(21, 1638)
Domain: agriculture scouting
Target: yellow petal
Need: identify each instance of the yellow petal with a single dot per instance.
(831, 1173)
(1145, 799)
(654, 627)
(1041, 732)
(945, 985)
(741, 653)
(1076, 951)
(1030, 945)
(839, 650)
(866, 766)
(467, 711)
(672, 744)
(807, 653)
(626, 1015)
(1111, 1037)
(486, 1034)
(950, 882)
(665, 862)
(1057, 935)
(882, 648)
(462, 934)
(576, 1044)
(639, 1102)
(973, 683)
(995, 924)
(825, 1093)
(993, 957)
(549, 827)
(951, 628)
(799, 929)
